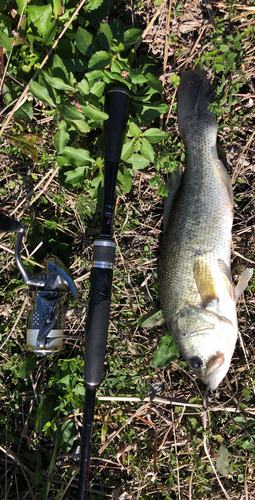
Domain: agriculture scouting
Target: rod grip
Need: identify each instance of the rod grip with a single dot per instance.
(116, 106)
(96, 330)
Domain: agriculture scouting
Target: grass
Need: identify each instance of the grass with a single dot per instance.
(148, 449)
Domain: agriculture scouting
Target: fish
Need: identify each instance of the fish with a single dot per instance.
(196, 292)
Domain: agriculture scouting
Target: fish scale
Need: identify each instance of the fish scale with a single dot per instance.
(196, 294)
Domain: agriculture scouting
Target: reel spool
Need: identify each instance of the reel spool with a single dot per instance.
(45, 331)
(48, 296)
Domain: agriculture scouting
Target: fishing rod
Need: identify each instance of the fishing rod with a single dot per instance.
(50, 289)
(96, 329)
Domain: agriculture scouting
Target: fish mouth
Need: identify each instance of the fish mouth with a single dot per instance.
(214, 373)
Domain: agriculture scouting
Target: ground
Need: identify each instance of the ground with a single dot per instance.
(155, 448)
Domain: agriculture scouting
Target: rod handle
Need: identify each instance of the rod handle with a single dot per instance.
(116, 106)
(96, 330)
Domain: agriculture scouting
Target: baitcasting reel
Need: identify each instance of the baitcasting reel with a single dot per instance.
(48, 293)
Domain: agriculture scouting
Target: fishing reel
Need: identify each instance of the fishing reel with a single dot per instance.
(48, 292)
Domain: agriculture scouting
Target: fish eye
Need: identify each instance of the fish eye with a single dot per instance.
(196, 362)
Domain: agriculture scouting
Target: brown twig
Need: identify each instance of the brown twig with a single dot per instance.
(150, 25)
(172, 401)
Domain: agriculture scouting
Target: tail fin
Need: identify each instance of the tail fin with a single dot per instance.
(194, 97)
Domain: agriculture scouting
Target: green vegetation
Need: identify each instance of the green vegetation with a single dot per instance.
(51, 177)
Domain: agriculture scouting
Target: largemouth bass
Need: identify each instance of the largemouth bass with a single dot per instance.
(196, 293)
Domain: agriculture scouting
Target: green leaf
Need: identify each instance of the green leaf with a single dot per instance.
(134, 130)
(93, 113)
(114, 78)
(104, 432)
(61, 138)
(151, 319)
(230, 59)
(237, 44)
(136, 77)
(222, 462)
(40, 17)
(149, 111)
(77, 156)
(224, 48)
(154, 135)
(51, 224)
(162, 190)
(175, 79)
(58, 68)
(20, 4)
(26, 111)
(28, 366)
(167, 352)
(95, 185)
(45, 411)
(56, 7)
(67, 435)
(98, 89)
(127, 150)
(138, 162)
(25, 143)
(131, 36)
(67, 110)
(219, 67)
(83, 87)
(56, 83)
(50, 32)
(93, 76)
(104, 36)
(5, 41)
(147, 150)
(124, 179)
(41, 93)
(81, 126)
(85, 42)
(115, 67)
(75, 176)
(154, 82)
(100, 60)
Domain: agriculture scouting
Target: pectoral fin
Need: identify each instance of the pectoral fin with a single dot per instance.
(204, 281)
(243, 282)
